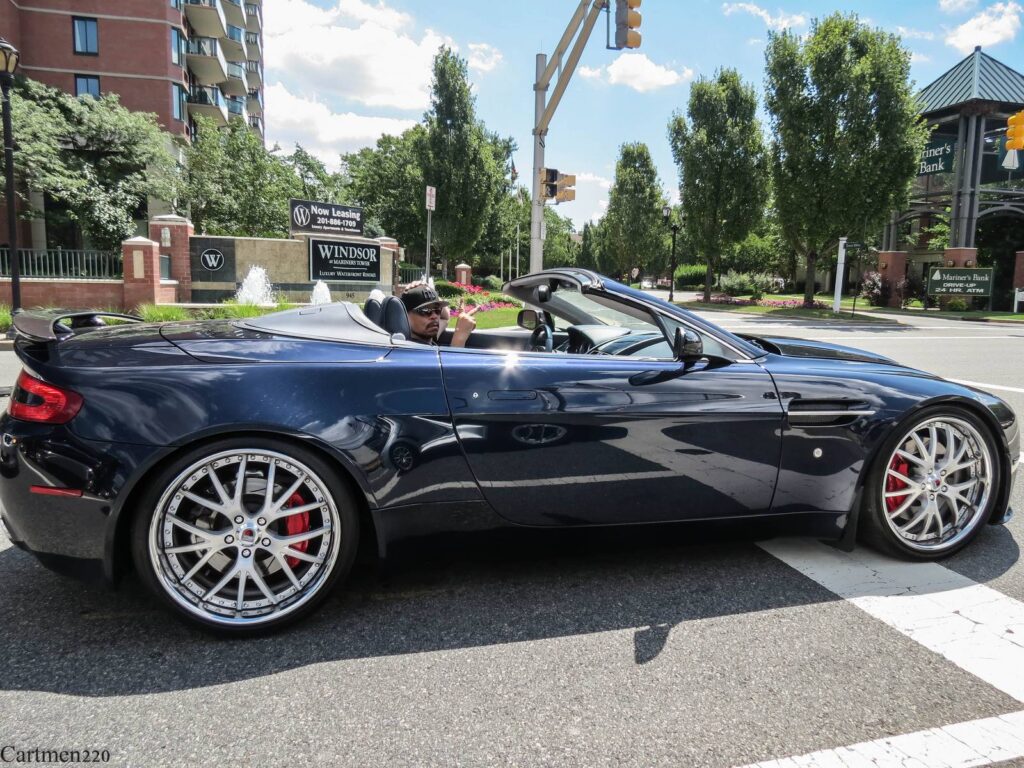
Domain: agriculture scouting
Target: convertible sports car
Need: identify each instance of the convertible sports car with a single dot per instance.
(237, 466)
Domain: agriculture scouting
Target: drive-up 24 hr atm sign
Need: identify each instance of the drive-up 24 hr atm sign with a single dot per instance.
(950, 281)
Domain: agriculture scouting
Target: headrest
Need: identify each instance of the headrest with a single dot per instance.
(373, 310)
(396, 319)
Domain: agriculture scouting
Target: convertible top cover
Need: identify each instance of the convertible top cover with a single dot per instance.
(341, 321)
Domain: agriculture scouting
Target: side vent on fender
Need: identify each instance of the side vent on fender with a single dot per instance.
(826, 413)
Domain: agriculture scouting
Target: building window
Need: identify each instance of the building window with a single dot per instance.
(179, 97)
(176, 4)
(178, 45)
(86, 35)
(87, 85)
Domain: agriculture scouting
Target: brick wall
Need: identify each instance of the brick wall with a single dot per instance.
(73, 294)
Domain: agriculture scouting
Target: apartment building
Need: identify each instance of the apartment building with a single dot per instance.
(176, 58)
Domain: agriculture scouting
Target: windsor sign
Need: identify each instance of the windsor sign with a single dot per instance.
(311, 217)
(340, 261)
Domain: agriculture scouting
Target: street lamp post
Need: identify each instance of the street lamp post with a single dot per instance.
(8, 66)
(667, 213)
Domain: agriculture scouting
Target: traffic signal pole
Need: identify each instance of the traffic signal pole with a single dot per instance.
(544, 110)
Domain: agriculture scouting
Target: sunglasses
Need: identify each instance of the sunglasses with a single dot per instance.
(428, 311)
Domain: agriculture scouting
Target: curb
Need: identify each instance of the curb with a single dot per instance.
(6, 345)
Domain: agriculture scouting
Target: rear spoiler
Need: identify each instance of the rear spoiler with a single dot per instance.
(47, 324)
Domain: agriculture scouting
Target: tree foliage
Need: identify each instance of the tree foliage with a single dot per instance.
(99, 160)
(633, 230)
(723, 168)
(846, 132)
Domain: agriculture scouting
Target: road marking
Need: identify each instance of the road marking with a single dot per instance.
(978, 742)
(981, 385)
(973, 626)
(912, 337)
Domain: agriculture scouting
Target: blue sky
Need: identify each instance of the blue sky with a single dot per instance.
(342, 72)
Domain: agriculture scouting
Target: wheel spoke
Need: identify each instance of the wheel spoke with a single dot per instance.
(258, 579)
(232, 572)
(289, 511)
(920, 446)
(296, 538)
(218, 486)
(287, 569)
(933, 443)
(301, 555)
(904, 506)
(283, 498)
(241, 589)
(201, 533)
(183, 549)
(268, 496)
(240, 480)
(925, 511)
(902, 478)
(199, 565)
(910, 457)
(203, 502)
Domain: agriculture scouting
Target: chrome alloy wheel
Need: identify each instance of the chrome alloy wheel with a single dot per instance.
(937, 484)
(244, 537)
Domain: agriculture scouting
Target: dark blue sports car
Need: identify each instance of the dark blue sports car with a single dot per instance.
(237, 466)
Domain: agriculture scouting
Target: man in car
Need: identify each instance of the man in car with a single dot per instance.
(428, 316)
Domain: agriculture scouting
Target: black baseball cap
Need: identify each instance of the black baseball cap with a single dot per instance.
(421, 296)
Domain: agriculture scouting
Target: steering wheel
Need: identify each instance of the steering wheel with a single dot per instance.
(542, 339)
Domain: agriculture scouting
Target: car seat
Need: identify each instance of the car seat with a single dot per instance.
(396, 320)
(373, 310)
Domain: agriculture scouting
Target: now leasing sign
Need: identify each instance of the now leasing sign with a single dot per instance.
(951, 281)
(338, 261)
(937, 157)
(311, 217)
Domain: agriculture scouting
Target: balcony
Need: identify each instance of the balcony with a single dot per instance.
(253, 45)
(254, 102)
(234, 12)
(256, 123)
(234, 43)
(254, 71)
(206, 61)
(254, 18)
(236, 108)
(209, 102)
(206, 17)
(235, 85)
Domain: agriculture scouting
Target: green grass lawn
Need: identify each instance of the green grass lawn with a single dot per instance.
(493, 318)
(978, 314)
(792, 312)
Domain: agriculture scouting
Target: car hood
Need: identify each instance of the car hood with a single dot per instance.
(791, 347)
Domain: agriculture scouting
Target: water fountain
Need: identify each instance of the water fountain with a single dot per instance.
(256, 288)
(321, 293)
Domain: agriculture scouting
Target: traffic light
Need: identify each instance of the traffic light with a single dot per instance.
(1015, 131)
(627, 22)
(557, 186)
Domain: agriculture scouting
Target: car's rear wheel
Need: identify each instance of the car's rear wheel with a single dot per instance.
(245, 535)
(934, 484)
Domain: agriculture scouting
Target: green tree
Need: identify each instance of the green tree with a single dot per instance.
(634, 234)
(461, 160)
(316, 182)
(846, 132)
(723, 169)
(99, 160)
(560, 250)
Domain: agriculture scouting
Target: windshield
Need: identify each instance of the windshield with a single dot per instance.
(600, 310)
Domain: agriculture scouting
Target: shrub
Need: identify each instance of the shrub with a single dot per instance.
(448, 290)
(690, 275)
(872, 288)
(735, 283)
(492, 283)
(162, 313)
(5, 317)
(957, 305)
(761, 283)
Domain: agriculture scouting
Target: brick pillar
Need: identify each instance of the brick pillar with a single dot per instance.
(141, 272)
(173, 234)
(464, 274)
(1018, 271)
(960, 257)
(892, 265)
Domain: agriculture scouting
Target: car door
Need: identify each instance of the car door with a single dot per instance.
(557, 439)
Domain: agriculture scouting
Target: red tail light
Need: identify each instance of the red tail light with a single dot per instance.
(35, 400)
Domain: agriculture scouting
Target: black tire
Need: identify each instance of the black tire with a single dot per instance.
(336, 509)
(875, 520)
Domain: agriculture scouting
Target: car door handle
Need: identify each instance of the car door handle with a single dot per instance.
(512, 394)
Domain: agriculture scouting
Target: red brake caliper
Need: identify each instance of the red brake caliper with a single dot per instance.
(296, 524)
(892, 483)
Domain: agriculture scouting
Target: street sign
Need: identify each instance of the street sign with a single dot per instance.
(431, 198)
(958, 281)
(312, 217)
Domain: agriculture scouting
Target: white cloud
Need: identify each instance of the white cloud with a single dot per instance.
(591, 73)
(639, 73)
(919, 58)
(754, 41)
(483, 57)
(354, 49)
(295, 120)
(996, 24)
(587, 178)
(956, 6)
(779, 21)
(915, 34)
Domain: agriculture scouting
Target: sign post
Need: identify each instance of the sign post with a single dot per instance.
(840, 274)
(431, 205)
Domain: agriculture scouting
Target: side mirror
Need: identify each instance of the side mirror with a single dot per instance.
(687, 346)
(543, 293)
(527, 319)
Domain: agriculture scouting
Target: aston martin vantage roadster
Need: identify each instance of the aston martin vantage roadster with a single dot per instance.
(236, 467)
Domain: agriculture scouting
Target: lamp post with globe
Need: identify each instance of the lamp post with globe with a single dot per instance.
(667, 213)
(9, 57)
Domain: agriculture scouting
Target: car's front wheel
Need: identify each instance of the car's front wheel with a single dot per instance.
(245, 535)
(934, 484)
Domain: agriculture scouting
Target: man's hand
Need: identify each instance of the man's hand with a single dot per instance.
(465, 326)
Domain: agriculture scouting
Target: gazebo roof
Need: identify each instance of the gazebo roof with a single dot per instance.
(978, 77)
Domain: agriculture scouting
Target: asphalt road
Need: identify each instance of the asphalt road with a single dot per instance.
(681, 648)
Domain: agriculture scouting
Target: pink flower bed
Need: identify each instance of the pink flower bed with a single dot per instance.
(774, 303)
(488, 305)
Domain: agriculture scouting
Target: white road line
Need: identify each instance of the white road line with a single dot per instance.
(912, 337)
(982, 385)
(978, 742)
(973, 626)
